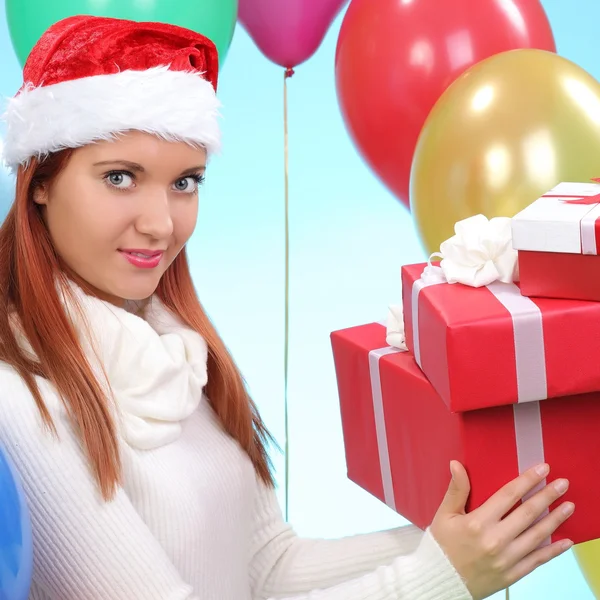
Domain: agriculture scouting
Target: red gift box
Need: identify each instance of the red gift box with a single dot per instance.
(558, 241)
(491, 346)
(400, 436)
(548, 275)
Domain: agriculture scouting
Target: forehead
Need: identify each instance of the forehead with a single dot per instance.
(146, 149)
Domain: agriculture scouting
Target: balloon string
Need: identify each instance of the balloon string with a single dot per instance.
(287, 74)
(507, 594)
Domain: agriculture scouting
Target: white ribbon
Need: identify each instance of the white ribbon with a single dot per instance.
(588, 231)
(480, 252)
(432, 277)
(382, 444)
(530, 445)
(395, 328)
(528, 331)
(530, 357)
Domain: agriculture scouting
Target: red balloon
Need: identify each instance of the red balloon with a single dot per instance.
(395, 58)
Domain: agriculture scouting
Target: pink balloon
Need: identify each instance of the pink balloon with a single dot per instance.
(288, 32)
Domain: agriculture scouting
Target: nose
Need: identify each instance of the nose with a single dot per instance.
(154, 217)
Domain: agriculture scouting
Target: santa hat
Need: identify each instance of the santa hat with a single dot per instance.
(89, 78)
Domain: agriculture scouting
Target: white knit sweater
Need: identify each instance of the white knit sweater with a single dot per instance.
(191, 522)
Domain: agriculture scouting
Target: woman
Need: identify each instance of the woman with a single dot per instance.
(143, 458)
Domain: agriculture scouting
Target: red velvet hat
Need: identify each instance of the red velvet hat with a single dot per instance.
(89, 78)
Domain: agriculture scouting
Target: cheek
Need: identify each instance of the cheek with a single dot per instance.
(66, 224)
(184, 223)
(83, 223)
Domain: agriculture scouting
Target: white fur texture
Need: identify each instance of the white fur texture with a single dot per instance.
(175, 105)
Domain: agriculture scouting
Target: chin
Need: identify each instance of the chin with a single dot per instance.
(136, 290)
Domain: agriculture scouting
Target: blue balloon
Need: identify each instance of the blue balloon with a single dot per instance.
(16, 554)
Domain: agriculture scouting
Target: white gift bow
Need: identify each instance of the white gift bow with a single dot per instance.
(395, 328)
(478, 254)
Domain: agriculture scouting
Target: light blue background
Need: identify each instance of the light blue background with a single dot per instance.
(349, 237)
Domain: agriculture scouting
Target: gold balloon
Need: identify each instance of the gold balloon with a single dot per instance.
(503, 134)
(588, 557)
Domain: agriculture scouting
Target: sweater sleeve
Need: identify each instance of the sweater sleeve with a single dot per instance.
(401, 564)
(84, 548)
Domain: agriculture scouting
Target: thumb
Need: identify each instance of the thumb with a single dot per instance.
(455, 500)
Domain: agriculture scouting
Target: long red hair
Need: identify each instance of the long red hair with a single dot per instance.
(29, 269)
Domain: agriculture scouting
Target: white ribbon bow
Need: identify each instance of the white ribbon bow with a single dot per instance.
(478, 254)
(395, 328)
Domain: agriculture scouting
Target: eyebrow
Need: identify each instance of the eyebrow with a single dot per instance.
(137, 167)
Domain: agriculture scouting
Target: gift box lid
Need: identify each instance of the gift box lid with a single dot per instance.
(566, 219)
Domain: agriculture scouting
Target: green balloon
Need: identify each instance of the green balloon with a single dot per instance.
(28, 19)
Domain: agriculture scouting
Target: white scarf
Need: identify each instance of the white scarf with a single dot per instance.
(155, 365)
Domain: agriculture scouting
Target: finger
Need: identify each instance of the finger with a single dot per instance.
(531, 539)
(532, 509)
(455, 500)
(535, 559)
(506, 497)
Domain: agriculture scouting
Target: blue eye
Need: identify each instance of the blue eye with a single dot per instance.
(189, 184)
(121, 180)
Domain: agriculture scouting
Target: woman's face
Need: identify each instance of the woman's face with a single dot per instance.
(121, 211)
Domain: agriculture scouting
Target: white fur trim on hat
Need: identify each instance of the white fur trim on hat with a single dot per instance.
(175, 105)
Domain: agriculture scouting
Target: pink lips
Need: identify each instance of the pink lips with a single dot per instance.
(143, 259)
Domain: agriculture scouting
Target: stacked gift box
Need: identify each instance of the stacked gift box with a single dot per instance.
(493, 360)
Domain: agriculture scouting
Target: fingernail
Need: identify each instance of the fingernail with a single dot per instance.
(561, 486)
(568, 508)
(542, 470)
(452, 468)
(566, 544)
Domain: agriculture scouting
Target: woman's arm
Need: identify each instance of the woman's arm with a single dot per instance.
(399, 564)
(84, 548)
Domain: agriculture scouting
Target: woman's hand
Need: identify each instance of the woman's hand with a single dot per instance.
(491, 549)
